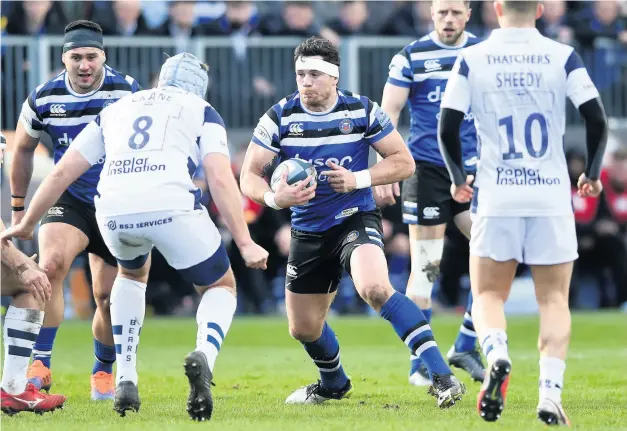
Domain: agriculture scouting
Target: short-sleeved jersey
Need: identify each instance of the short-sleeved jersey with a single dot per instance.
(54, 112)
(153, 140)
(424, 66)
(343, 134)
(516, 84)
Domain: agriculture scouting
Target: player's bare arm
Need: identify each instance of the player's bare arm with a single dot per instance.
(69, 168)
(596, 140)
(393, 101)
(226, 195)
(21, 170)
(23, 269)
(257, 169)
(396, 165)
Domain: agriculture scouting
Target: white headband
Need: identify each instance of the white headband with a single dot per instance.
(308, 63)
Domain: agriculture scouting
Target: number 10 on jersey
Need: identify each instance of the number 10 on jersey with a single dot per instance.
(533, 121)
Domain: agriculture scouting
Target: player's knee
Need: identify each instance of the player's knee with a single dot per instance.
(376, 293)
(422, 302)
(227, 281)
(102, 298)
(421, 281)
(553, 338)
(22, 298)
(552, 298)
(55, 265)
(306, 332)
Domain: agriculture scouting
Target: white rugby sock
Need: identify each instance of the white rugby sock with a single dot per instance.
(551, 378)
(425, 266)
(21, 326)
(214, 317)
(128, 308)
(495, 345)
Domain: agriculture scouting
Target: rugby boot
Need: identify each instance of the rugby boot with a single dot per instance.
(126, 398)
(552, 413)
(102, 386)
(31, 400)
(420, 377)
(491, 398)
(447, 389)
(315, 393)
(200, 377)
(39, 376)
(468, 361)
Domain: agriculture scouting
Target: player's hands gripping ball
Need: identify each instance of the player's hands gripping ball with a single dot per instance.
(339, 178)
(288, 189)
(463, 193)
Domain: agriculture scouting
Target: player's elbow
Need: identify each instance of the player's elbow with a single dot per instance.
(594, 115)
(220, 182)
(245, 183)
(598, 122)
(407, 165)
(404, 164)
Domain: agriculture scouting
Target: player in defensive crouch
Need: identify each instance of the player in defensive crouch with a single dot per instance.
(28, 285)
(58, 110)
(516, 84)
(336, 225)
(418, 75)
(153, 140)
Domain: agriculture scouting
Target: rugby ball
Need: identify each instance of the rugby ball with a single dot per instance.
(297, 170)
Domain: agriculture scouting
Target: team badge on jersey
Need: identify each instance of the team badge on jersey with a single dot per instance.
(346, 126)
(352, 236)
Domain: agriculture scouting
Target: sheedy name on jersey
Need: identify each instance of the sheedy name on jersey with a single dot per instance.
(132, 166)
(518, 79)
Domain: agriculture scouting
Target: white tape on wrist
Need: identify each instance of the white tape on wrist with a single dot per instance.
(363, 179)
(308, 63)
(268, 198)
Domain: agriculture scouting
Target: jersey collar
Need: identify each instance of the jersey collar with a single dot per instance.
(91, 93)
(514, 33)
(302, 105)
(435, 39)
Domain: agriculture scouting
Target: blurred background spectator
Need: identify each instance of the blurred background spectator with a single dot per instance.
(249, 47)
(34, 18)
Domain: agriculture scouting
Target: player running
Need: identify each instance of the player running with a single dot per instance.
(516, 84)
(27, 284)
(418, 74)
(58, 110)
(154, 140)
(336, 226)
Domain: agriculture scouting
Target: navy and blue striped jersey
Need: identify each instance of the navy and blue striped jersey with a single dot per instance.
(424, 67)
(53, 111)
(343, 134)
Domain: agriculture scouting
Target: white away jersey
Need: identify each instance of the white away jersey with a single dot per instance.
(153, 140)
(516, 83)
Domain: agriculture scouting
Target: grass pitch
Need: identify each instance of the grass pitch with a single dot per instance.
(260, 365)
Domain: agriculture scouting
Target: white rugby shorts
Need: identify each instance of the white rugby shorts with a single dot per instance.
(188, 240)
(529, 240)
